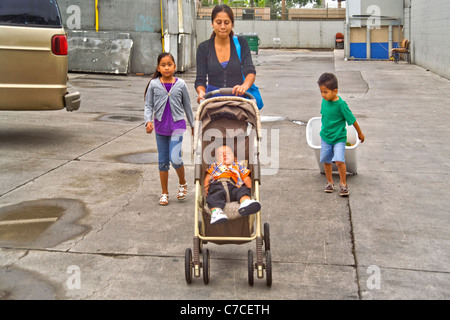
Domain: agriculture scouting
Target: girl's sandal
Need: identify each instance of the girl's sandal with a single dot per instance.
(164, 200)
(182, 192)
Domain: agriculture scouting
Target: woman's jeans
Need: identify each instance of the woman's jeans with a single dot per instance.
(169, 151)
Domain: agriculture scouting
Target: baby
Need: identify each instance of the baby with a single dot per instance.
(239, 186)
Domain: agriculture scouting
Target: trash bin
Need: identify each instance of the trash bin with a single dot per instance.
(313, 138)
(252, 40)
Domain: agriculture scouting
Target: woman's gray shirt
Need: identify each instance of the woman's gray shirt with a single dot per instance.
(156, 99)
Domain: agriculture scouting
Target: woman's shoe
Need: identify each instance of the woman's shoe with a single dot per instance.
(164, 200)
(182, 192)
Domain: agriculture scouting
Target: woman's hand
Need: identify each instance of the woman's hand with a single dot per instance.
(149, 127)
(201, 94)
(239, 90)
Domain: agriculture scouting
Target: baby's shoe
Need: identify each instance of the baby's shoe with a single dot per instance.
(249, 207)
(218, 217)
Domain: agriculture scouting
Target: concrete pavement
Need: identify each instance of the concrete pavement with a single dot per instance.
(95, 171)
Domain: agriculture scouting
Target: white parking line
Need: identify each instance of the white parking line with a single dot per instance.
(23, 221)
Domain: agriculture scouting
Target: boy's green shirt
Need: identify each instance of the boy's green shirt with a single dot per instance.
(334, 116)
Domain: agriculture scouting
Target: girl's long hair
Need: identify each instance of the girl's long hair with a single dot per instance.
(158, 74)
(222, 8)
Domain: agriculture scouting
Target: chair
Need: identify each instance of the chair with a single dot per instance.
(339, 41)
(276, 43)
(404, 50)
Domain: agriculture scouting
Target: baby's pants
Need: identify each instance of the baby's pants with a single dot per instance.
(217, 196)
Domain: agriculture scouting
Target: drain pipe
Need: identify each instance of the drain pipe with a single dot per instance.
(96, 15)
(162, 26)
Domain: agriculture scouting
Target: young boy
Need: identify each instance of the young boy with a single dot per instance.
(335, 113)
(239, 185)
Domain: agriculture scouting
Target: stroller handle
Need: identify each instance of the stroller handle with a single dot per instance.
(227, 92)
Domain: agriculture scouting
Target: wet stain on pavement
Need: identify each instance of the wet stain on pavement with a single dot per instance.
(139, 158)
(120, 118)
(19, 284)
(41, 223)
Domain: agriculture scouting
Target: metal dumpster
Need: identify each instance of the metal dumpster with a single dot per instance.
(252, 40)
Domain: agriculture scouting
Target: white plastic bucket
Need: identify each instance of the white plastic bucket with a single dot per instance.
(313, 138)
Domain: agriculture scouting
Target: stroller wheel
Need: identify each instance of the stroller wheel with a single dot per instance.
(266, 237)
(268, 268)
(206, 266)
(188, 265)
(250, 267)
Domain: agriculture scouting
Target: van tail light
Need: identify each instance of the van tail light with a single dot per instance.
(59, 45)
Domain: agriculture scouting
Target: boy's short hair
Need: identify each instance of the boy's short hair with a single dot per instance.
(328, 80)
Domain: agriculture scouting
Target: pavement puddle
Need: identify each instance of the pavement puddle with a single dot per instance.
(45, 222)
(120, 118)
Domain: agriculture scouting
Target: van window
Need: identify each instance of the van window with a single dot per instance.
(44, 13)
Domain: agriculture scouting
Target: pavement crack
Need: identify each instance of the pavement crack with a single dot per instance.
(353, 240)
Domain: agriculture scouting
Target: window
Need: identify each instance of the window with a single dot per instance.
(44, 13)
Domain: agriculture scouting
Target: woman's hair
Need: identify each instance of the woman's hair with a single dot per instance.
(328, 80)
(222, 8)
(157, 73)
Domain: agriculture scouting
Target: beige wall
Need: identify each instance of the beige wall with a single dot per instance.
(260, 13)
(359, 35)
(320, 13)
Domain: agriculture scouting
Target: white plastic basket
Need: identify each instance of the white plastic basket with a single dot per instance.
(313, 138)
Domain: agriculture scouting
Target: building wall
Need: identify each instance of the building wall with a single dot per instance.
(257, 13)
(428, 28)
(318, 13)
(141, 21)
(369, 22)
(385, 8)
(292, 34)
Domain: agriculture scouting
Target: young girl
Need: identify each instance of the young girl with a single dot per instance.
(167, 100)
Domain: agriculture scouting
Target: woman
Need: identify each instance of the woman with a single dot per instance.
(218, 64)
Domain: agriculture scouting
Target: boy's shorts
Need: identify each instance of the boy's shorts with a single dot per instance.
(330, 153)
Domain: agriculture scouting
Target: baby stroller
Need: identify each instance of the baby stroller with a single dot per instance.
(233, 121)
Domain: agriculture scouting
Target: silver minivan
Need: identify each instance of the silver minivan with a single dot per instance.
(33, 57)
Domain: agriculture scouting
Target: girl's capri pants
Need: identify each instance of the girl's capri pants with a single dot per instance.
(330, 153)
(169, 151)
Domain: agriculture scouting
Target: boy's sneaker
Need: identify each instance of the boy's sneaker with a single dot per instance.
(218, 217)
(329, 188)
(344, 191)
(249, 207)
